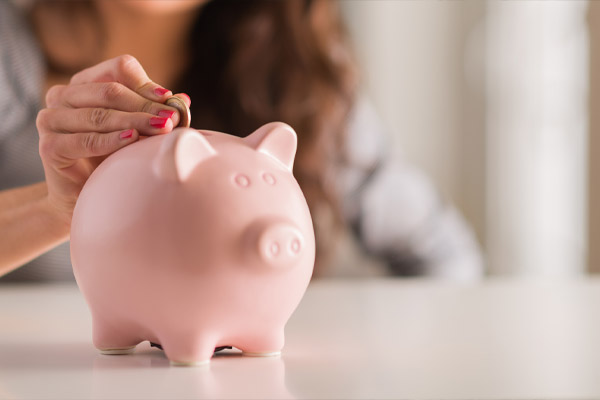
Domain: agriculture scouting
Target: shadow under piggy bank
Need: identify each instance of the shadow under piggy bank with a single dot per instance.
(228, 375)
(77, 370)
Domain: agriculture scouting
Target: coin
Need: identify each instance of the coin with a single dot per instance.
(184, 111)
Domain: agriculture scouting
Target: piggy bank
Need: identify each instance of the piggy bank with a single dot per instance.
(194, 240)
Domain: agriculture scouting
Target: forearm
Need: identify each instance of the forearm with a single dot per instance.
(12, 198)
(29, 226)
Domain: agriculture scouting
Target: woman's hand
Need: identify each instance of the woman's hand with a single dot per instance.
(101, 110)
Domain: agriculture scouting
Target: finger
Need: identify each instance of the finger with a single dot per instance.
(74, 120)
(126, 70)
(85, 145)
(110, 95)
(53, 95)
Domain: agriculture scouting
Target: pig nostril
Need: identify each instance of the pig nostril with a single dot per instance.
(274, 249)
(295, 246)
(278, 244)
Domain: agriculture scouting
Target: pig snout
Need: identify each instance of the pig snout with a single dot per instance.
(277, 243)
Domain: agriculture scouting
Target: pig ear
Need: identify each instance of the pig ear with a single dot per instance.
(180, 152)
(277, 140)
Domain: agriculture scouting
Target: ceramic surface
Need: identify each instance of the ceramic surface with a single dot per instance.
(194, 240)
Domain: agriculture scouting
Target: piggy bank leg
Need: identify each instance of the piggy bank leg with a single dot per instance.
(266, 344)
(188, 351)
(113, 339)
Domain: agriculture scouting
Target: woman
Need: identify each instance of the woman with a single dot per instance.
(243, 64)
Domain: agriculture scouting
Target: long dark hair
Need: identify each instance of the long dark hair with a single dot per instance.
(253, 62)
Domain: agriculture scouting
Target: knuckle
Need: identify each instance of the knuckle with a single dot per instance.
(75, 77)
(126, 58)
(111, 91)
(98, 117)
(53, 95)
(127, 65)
(42, 118)
(90, 144)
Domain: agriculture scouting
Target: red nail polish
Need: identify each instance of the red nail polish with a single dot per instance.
(158, 122)
(161, 91)
(127, 134)
(187, 97)
(166, 113)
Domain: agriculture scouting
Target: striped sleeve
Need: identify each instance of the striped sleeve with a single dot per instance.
(20, 70)
(396, 212)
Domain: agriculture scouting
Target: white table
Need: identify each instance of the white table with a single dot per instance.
(348, 339)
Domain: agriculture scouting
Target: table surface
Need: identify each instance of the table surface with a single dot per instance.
(348, 339)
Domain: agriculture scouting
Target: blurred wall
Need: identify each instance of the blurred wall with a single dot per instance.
(490, 99)
(536, 134)
(594, 139)
(422, 65)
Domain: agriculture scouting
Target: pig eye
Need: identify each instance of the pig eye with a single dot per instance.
(241, 180)
(270, 179)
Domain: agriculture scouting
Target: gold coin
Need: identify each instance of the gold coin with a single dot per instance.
(185, 116)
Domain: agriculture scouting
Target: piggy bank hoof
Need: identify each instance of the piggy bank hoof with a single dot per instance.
(118, 351)
(189, 363)
(265, 354)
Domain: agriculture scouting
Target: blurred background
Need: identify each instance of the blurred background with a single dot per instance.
(495, 101)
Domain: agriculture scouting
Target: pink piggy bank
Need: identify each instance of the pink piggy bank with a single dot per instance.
(194, 240)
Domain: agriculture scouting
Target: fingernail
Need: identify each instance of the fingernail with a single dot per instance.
(161, 91)
(187, 97)
(166, 113)
(127, 134)
(158, 122)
